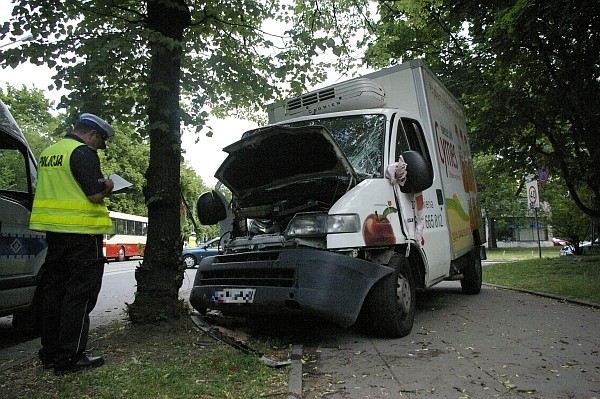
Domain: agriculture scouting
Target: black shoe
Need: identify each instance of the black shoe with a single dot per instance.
(86, 362)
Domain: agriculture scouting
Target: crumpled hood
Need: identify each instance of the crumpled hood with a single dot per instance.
(275, 156)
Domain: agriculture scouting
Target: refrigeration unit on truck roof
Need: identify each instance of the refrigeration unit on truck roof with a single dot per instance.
(357, 93)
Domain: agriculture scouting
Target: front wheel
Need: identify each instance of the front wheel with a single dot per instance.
(390, 305)
(189, 261)
(471, 282)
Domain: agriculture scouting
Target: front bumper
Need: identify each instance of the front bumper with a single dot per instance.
(293, 281)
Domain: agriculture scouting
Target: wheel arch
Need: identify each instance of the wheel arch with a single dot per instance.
(416, 260)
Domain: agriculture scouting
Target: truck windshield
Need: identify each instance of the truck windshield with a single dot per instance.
(360, 137)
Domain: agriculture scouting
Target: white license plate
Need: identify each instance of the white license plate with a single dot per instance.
(234, 295)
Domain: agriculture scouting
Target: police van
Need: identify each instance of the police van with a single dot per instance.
(22, 251)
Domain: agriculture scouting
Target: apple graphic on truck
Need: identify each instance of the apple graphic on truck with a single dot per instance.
(377, 229)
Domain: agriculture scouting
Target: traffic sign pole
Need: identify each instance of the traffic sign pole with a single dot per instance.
(538, 233)
(533, 196)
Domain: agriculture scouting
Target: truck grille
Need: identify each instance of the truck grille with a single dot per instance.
(255, 269)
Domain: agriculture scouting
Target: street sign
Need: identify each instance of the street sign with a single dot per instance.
(533, 195)
(543, 175)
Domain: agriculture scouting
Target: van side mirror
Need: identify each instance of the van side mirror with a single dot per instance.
(210, 208)
(419, 173)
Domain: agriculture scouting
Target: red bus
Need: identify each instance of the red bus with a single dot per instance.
(129, 238)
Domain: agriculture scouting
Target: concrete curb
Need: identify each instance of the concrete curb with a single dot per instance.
(543, 294)
(295, 374)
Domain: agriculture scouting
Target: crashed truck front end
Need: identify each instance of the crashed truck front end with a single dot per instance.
(284, 181)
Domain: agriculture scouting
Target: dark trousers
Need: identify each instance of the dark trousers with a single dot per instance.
(70, 282)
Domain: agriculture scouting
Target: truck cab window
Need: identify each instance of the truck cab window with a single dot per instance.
(411, 137)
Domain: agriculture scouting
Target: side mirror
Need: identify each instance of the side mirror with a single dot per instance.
(210, 208)
(419, 173)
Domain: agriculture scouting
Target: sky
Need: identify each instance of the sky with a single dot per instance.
(204, 156)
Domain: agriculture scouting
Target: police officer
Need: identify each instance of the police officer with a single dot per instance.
(68, 207)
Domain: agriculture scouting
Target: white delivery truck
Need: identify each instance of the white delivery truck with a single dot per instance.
(353, 197)
(22, 251)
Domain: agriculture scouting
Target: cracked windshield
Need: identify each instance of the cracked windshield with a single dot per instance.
(360, 137)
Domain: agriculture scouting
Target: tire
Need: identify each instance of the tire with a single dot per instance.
(122, 256)
(189, 261)
(390, 305)
(471, 282)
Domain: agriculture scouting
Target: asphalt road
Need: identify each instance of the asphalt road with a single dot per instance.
(499, 343)
(118, 289)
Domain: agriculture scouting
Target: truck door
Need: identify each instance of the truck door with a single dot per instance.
(435, 244)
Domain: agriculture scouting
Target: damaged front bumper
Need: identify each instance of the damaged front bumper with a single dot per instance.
(325, 284)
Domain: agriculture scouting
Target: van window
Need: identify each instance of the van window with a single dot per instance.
(411, 137)
(14, 176)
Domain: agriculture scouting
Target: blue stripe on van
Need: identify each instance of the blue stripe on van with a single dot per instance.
(19, 245)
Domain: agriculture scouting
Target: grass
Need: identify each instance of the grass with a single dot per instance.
(154, 362)
(521, 253)
(574, 277)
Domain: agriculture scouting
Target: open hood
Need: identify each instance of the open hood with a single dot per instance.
(273, 157)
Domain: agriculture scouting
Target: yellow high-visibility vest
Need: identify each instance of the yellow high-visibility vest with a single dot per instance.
(60, 205)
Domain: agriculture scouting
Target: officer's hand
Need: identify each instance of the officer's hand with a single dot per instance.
(109, 185)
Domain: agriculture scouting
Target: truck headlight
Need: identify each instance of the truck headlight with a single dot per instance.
(320, 224)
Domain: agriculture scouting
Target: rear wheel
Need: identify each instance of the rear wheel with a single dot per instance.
(189, 261)
(390, 305)
(471, 282)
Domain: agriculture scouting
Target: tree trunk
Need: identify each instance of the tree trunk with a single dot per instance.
(160, 275)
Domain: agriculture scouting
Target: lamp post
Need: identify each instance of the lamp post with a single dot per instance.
(21, 40)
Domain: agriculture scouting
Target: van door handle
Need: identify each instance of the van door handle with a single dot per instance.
(440, 197)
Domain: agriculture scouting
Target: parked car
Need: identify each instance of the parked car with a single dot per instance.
(584, 247)
(193, 255)
(567, 250)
